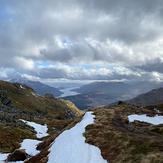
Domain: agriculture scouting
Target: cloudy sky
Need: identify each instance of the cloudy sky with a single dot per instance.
(81, 39)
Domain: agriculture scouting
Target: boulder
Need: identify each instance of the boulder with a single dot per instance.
(18, 155)
(121, 102)
(49, 95)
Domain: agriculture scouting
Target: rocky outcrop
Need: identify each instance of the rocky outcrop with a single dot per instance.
(71, 110)
(4, 98)
(18, 155)
(49, 95)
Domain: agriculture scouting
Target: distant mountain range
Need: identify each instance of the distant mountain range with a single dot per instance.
(39, 87)
(153, 97)
(104, 93)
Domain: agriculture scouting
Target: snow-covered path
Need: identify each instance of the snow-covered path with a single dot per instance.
(70, 146)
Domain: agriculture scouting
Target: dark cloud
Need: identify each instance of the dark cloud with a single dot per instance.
(155, 65)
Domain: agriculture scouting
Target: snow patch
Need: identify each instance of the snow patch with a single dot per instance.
(41, 130)
(30, 145)
(156, 120)
(34, 94)
(157, 111)
(3, 156)
(70, 146)
(21, 87)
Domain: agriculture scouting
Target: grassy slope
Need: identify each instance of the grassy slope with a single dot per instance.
(25, 100)
(57, 114)
(11, 136)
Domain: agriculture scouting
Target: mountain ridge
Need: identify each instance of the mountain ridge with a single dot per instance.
(105, 93)
(153, 97)
(39, 87)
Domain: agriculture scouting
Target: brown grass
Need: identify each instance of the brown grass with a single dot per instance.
(11, 137)
(24, 100)
(121, 142)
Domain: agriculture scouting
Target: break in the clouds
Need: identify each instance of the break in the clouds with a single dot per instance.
(82, 40)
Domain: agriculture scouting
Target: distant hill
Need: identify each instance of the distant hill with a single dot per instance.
(153, 97)
(39, 87)
(112, 88)
(98, 93)
(85, 101)
(104, 93)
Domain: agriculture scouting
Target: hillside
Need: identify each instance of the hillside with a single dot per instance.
(46, 126)
(103, 93)
(97, 94)
(39, 87)
(121, 140)
(152, 97)
(113, 136)
(94, 99)
(19, 101)
(114, 87)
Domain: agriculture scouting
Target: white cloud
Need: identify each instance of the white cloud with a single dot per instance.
(125, 34)
(24, 63)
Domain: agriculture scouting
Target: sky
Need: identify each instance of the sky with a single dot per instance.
(82, 40)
